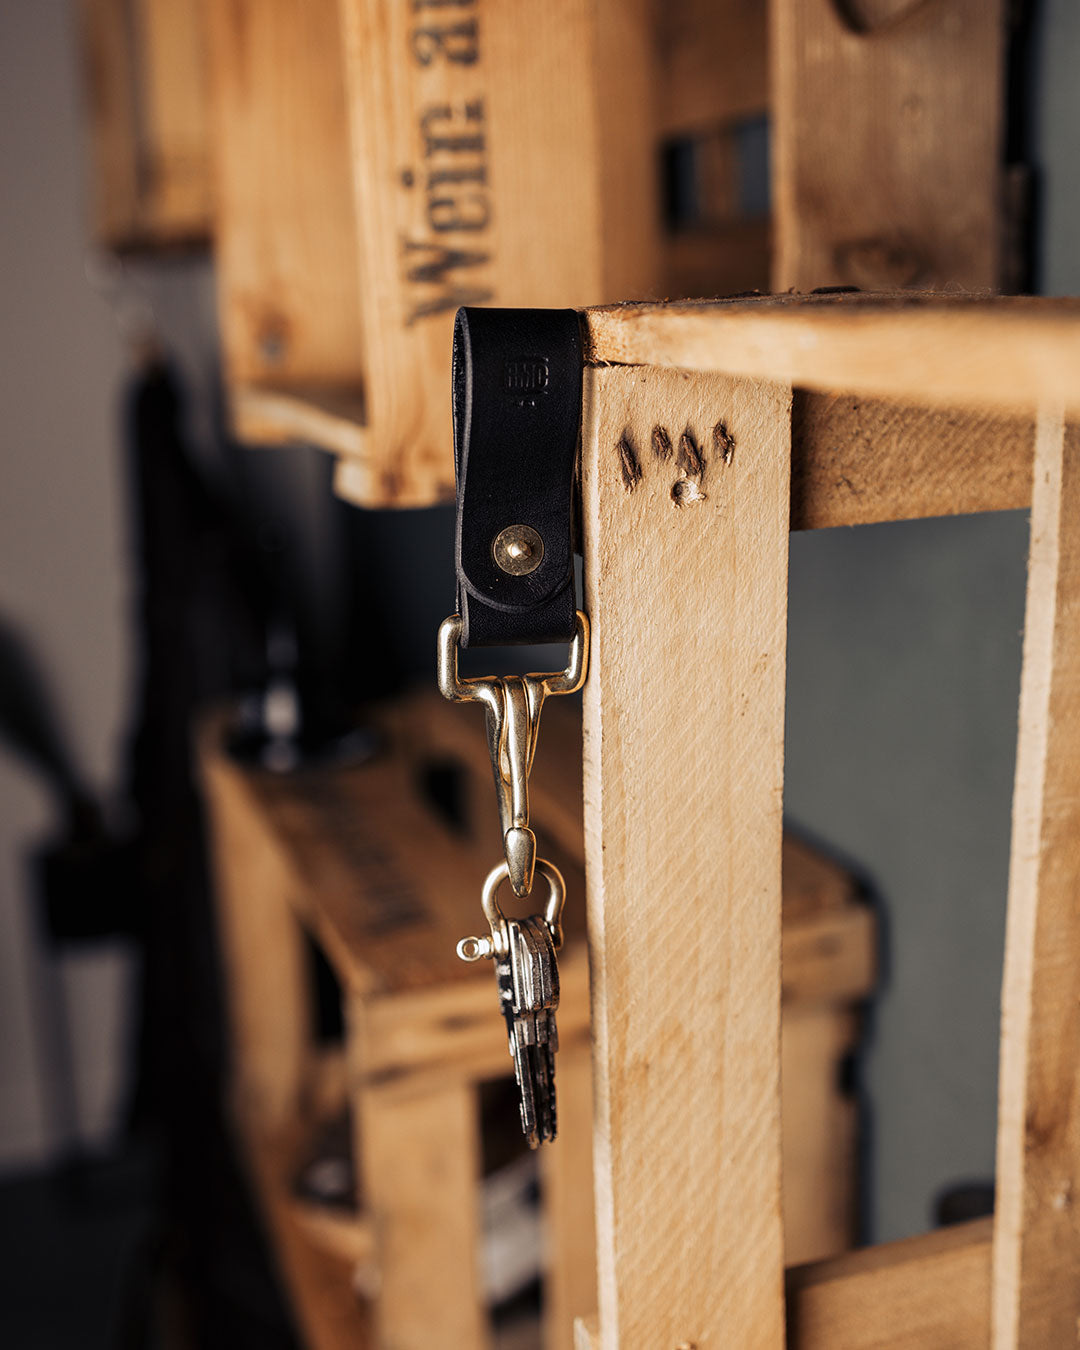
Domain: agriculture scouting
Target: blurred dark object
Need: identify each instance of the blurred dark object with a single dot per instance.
(199, 597)
(965, 1201)
(83, 873)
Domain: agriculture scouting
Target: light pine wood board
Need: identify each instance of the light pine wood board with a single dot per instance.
(1036, 1299)
(567, 1188)
(992, 354)
(318, 1265)
(712, 63)
(288, 290)
(683, 787)
(887, 143)
(265, 963)
(147, 93)
(105, 33)
(500, 156)
(421, 1167)
(175, 100)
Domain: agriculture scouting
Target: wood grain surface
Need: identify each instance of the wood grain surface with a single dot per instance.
(1003, 354)
(683, 786)
(1037, 1238)
(887, 143)
(287, 280)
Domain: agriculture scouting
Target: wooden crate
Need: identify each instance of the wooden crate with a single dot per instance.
(359, 861)
(983, 396)
(148, 103)
(381, 164)
(405, 160)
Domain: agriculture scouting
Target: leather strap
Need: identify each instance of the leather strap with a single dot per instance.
(517, 421)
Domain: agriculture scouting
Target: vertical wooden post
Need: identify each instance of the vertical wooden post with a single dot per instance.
(269, 997)
(887, 127)
(570, 1288)
(686, 488)
(1036, 1290)
(420, 1164)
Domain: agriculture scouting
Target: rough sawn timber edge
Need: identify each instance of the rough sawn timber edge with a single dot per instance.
(683, 791)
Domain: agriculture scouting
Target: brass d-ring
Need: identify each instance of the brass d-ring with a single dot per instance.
(473, 949)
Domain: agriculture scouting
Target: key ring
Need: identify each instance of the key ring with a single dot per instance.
(476, 948)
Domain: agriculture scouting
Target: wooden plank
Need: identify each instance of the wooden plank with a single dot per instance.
(319, 1276)
(996, 354)
(1036, 1239)
(914, 95)
(332, 418)
(819, 1134)
(455, 1030)
(147, 92)
(288, 289)
(711, 63)
(830, 958)
(176, 168)
(720, 259)
(479, 130)
(857, 460)
(683, 785)
(924, 1291)
(420, 1154)
(106, 42)
(567, 1190)
(265, 962)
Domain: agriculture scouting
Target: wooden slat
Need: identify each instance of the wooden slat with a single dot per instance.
(147, 91)
(857, 460)
(566, 1173)
(286, 231)
(175, 102)
(683, 784)
(1037, 1239)
(1004, 354)
(500, 157)
(886, 146)
(106, 49)
(453, 1031)
(819, 1130)
(332, 418)
(925, 1291)
(711, 63)
(265, 962)
(421, 1174)
(721, 259)
(319, 1275)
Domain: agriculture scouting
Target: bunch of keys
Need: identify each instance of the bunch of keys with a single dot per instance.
(527, 974)
(524, 950)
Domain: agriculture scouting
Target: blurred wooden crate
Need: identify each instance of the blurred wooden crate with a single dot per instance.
(148, 104)
(361, 862)
(382, 164)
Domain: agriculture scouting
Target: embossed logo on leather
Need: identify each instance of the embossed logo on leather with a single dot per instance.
(526, 375)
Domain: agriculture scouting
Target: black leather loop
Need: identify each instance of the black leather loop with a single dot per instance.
(517, 420)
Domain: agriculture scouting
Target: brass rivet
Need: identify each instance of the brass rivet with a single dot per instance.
(518, 550)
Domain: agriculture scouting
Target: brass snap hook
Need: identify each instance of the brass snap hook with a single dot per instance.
(512, 707)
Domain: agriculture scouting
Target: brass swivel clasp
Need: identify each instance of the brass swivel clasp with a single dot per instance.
(512, 708)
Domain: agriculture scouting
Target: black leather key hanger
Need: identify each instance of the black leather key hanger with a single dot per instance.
(517, 422)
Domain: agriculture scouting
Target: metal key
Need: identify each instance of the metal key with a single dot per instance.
(527, 974)
(528, 981)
